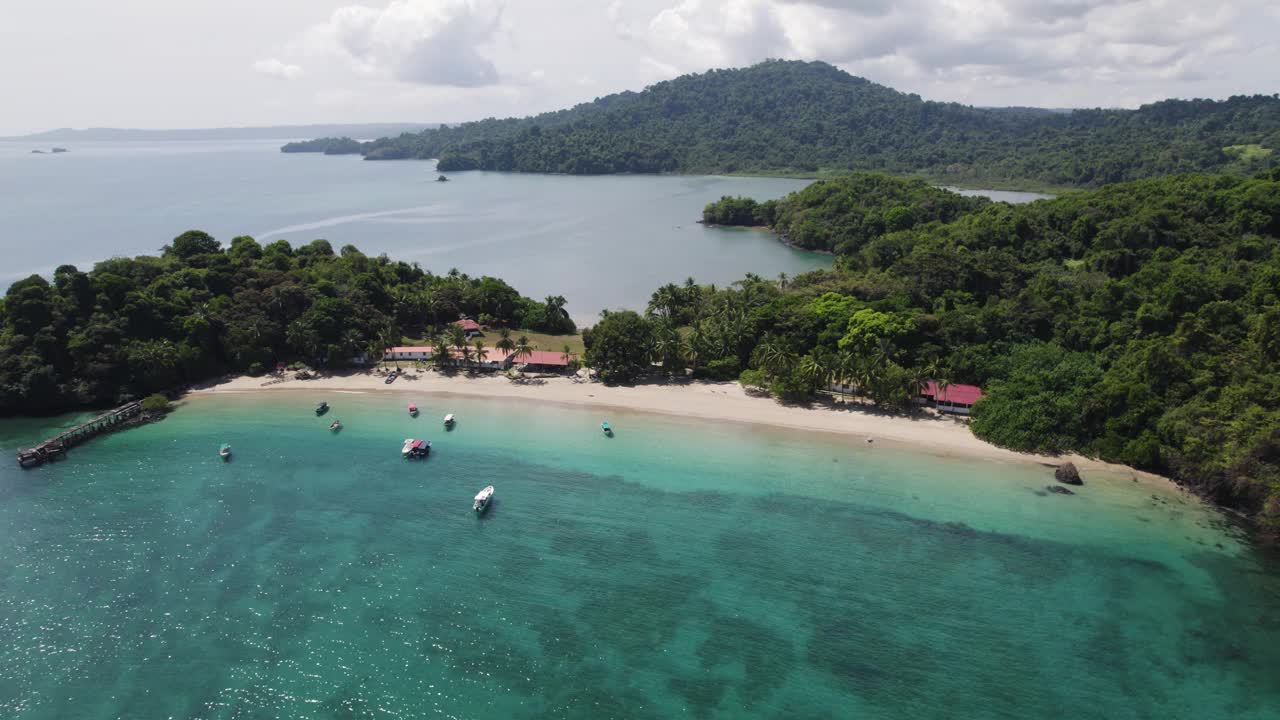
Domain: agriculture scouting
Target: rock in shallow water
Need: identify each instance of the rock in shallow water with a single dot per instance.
(1058, 489)
(1068, 474)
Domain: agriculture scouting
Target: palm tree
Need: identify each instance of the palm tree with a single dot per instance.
(774, 358)
(505, 343)
(782, 281)
(458, 339)
(566, 354)
(555, 306)
(436, 343)
(523, 347)
(667, 347)
(847, 370)
(694, 345)
(481, 352)
(818, 366)
(665, 302)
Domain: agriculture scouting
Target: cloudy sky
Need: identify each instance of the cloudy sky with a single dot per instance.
(201, 63)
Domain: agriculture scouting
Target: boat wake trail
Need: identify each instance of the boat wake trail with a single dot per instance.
(426, 211)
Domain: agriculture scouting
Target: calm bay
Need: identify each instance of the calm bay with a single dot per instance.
(680, 568)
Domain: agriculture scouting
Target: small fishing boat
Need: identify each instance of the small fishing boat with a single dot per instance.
(416, 448)
(224, 452)
(482, 500)
(391, 377)
(604, 427)
(335, 426)
(413, 410)
(322, 408)
(448, 420)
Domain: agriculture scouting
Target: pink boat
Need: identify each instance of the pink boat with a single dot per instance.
(413, 410)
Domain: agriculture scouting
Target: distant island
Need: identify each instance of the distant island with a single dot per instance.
(811, 118)
(269, 132)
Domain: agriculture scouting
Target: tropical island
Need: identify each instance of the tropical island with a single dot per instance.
(1136, 323)
(811, 119)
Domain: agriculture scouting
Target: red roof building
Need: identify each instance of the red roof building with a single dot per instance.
(543, 358)
(471, 327)
(957, 399)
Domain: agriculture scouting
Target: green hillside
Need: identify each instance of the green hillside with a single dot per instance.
(798, 117)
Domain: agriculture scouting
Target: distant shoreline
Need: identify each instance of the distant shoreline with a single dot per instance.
(720, 402)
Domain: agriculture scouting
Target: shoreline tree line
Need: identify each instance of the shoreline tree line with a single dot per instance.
(132, 326)
(1138, 323)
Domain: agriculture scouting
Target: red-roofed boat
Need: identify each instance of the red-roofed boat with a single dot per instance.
(413, 410)
(416, 448)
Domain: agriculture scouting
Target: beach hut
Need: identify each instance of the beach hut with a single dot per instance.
(954, 399)
(411, 352)
(470, 327)
(543, 361)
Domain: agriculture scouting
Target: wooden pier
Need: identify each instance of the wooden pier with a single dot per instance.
(58, 445)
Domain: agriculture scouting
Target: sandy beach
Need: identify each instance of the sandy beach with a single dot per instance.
(724, 402)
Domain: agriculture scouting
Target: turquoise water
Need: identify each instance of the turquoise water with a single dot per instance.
(680, 569)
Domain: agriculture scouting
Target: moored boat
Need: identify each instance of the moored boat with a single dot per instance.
(335, 426)
(413, 410)
(482, 500)
(448, 420)
(224, 452)
(322, 408)
(604, 427)
(416, 448)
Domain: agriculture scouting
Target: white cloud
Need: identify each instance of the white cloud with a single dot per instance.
(425, 42)
(277, 68)
(964, 46)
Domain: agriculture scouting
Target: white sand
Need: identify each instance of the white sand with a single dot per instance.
(927, 431)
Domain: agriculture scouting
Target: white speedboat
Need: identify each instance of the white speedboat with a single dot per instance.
(482, 499)
(448, 420)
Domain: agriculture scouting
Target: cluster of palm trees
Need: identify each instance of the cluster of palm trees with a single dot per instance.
(695, 325)
(454, 338)
(875, 375)
(718, 323)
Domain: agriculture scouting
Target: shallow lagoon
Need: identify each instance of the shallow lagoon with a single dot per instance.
(681, 568)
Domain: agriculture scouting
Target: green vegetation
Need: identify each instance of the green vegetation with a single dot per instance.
(619, 346)
(328, 146)
(156, 403)
(133, 326)
(840, 214)
(1139, 322)
(1248, 153)
(812, 118)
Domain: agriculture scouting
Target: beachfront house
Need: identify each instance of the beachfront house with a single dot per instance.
(470, 327)
(954, 399)
(543, 361)
(409, 353)
(493, 359)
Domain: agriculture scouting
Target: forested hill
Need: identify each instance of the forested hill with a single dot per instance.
(1139, 322)
(131, 326)
(790, 116)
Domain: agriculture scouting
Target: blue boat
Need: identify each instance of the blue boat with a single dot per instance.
(604, 426)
